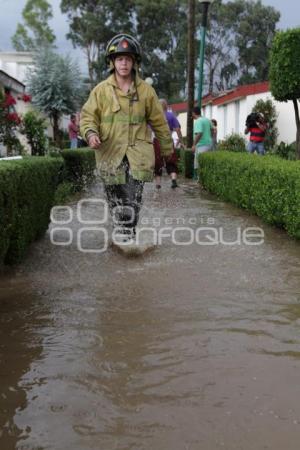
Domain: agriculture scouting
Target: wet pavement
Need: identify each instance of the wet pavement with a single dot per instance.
(194, 345)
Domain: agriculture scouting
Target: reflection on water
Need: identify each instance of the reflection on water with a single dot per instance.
(187, 347)
(19, 347)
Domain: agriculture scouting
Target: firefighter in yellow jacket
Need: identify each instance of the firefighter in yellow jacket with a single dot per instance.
(115, 122)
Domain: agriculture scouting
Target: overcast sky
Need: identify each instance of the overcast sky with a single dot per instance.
(11, 14)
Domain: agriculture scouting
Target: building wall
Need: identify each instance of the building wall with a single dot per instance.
(3, 151)
(182, 119)
(231, 116)
(21, 108)
(286, 122)
(16, 64)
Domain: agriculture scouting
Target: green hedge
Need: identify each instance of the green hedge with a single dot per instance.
(80, 165)
(267, 186)
(27, 189)
(233, 143)
(187, 162)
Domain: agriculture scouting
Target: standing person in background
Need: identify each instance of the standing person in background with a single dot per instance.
(114, 121)
(73, 130)
(202, 136)
(170, 162)
(214, 134)
(256, 126)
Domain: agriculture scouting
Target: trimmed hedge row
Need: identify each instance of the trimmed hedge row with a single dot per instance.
(267, 186)
(27, 189)
(80, 165)
(27, 193)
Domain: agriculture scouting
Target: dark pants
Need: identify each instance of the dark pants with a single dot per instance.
(125, 201)
(170, 162)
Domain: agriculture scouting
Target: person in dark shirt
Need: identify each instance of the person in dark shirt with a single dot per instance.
(256, 126)
(169, 162)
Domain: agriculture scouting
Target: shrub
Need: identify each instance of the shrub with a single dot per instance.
(54, 152)
(267, 186)
(233, 143)
(33, 127)
(27, 190)
(80, 165)
(286, 151)
(179, 163)
(187, 162)
(64, 192)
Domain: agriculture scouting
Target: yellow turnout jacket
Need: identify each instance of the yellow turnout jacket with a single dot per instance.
(121, 121)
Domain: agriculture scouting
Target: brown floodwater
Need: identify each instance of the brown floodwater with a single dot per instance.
(193, 345)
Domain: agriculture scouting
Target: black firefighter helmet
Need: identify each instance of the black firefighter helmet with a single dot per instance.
(123, 43)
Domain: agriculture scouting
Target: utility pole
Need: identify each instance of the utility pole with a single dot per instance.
(206, 4)
(191, 70)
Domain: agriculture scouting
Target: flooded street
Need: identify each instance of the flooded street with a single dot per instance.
(188, 347)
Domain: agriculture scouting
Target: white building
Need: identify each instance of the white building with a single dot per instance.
(231, 108)
(16, 89)
(13, 70)
(16, 64)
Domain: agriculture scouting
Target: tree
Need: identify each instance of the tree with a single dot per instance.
(33, 127)
(268, 109)
(238, 40)
(92, 24)
(285, 72)
(165, 50)
(191, 71)
(54, 84)
(35, 32)
(220, 51)
(254, 27)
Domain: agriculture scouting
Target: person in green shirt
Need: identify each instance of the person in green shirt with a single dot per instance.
(202, 135)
